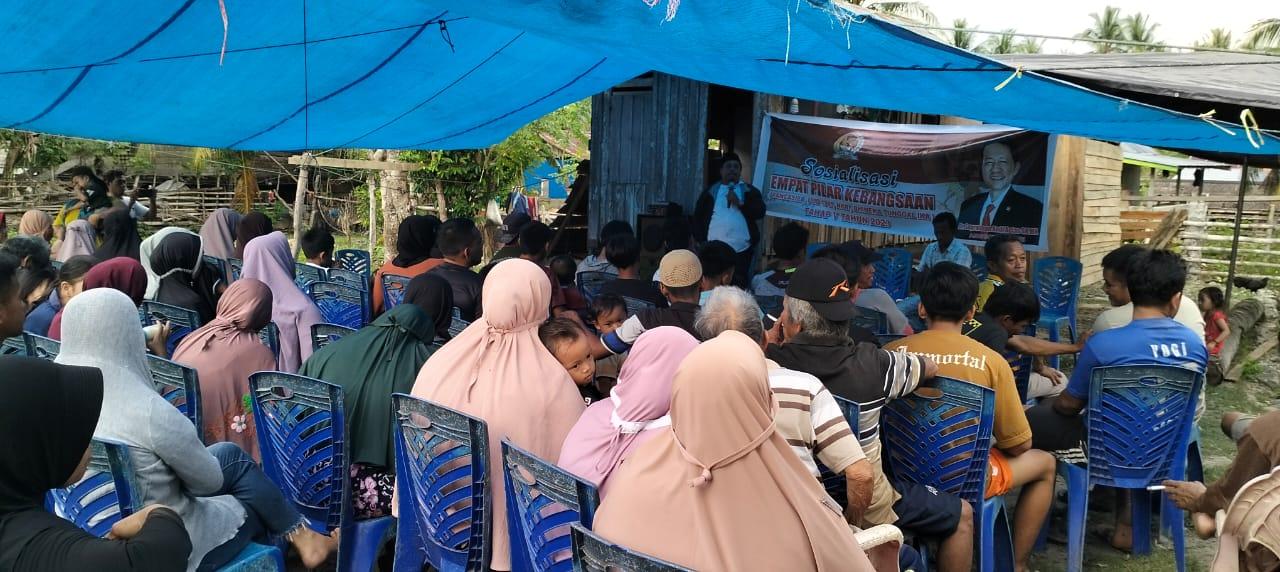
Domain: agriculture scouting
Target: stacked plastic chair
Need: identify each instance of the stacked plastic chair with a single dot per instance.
(893, 272)
(1056, 280)
(442, 470)
(42, 347)
(180, 386)
(218, 265)
(17, 345)
(305, 274)
(594, 554)
(590, 283)
(941, 436)
(835, 483)
(235, 267)
(1138, 423)
(325, 334)
(458, 324)
(357, 261)
(393, 288)
(541, 500)
(339, 304)
(873, 321)
(270, 337)
(182, 321)
(302, 438)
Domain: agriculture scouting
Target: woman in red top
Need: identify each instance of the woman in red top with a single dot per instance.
(1216, 330)
(414, 244)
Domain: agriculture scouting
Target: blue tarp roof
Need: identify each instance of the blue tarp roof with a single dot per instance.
(448, 74)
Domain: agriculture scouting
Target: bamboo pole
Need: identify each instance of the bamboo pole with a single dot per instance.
(1235, 233)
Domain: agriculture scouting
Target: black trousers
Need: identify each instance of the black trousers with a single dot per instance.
(742, 268)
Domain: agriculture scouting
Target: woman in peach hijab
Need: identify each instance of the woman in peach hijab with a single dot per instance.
(722, 490)
(497, 370)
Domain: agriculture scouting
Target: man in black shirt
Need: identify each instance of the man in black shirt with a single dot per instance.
(1000, 326)
(462, 246)
(623, 252)
(681, 276)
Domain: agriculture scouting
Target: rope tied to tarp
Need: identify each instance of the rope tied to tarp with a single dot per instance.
(672, 7)
(222, 7)
(1250, 125)
(1017, 74)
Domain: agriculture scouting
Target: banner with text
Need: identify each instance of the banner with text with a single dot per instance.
(894, 178)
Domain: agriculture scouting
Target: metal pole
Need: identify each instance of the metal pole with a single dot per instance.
(1177, 187)
(1235, 234)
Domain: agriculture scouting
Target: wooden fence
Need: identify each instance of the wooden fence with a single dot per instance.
(1206, 234)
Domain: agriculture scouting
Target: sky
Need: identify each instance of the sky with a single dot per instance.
(1182, 22)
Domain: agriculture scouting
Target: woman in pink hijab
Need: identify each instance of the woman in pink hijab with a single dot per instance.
(721, 489)
(225, 352)
(268, 259)
(635, 412)
(497, 370)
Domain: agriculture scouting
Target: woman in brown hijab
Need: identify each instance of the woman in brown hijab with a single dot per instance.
(721, 489)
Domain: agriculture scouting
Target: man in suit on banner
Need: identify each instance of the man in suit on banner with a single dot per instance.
(999, 205)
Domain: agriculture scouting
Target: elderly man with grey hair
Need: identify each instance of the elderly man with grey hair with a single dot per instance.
(807, 414)
(812, 335)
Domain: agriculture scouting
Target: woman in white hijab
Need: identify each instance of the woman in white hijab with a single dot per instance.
(223, 497)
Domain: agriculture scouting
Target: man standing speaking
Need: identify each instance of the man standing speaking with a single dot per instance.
(730, 212)
(1000, 205)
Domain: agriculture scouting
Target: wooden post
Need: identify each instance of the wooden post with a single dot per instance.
(1271, 220)
(299, 201)
(373, 210)
(1235, 233)
(1192, 246)
(1177, 186)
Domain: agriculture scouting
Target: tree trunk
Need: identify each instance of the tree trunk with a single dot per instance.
(1241, 318)
(373, 211)
(395, 205)
(299, 201)
(442, 207)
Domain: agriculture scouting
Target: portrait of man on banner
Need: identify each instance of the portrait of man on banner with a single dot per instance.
(999, 205)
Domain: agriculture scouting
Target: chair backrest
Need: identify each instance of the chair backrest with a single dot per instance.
(270, 337)
(636, 305)
(56, 264)
(393, 288)
(348, 278)
(873, 321)
(104, 495)
(1139, 420)
(304, 274)
(1021, 365)
(16, 345)
(941, 436)
(357, 261)
(301, 435)
(893, 272)
(545, 499)
(218, 265)
(325, 334)
(182, 321)
(42, 347)
(814, 247)
(886, 339)
(835, 483)
(445, 515)
(770, 305)
(1057, 284)
(339, 304)
(179, 385)
(235, 267)
(590, 283)
(1249, 529)
(458, 324)
(978, 265)
(594, 554)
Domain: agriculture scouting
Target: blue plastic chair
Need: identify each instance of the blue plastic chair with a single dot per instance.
(16, 345)
(979, 267)
(305, 274)
(302, 438)
(886, 339)
(393, 288)
(339, 304)
(594, 554)
(636, 305)
(835, 483)
(42, 347)
(182, 321)
(103, 496)
(893, 272)
(541, 500)
(106, 494)
(1021, 366)
(235, 267)
(458, 324)
(590, 283)
(270, 337)
(442, 465)
(325, 334)
(941, 436)
(180, 386)
(1138, 422)
(357, 261)
(348, 278)
(218, 265)
(1056, 280)
(873, 321)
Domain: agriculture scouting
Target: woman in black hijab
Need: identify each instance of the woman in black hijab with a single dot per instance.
(435, 296)
(45, 430)
(252, 226)
(184, 281)
(414, 243)
(120, 236)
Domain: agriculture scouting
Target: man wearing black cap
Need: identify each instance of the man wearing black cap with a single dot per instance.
(862, 292)
(509, 236)
(812, 336)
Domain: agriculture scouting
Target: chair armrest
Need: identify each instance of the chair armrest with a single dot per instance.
(881, 543)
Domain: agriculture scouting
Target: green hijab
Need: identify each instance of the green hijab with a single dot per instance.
(371, 364)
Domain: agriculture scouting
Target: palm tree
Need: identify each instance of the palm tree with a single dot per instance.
(1029, 46)
(1137, 28)
(1264, 35)
(1000, 44)
(917, 11)
(1217, 38)
(1106, 26)
(961, 37)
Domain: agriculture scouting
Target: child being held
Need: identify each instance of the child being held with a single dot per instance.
(1212, 303)
(607, 313)
(567, 341)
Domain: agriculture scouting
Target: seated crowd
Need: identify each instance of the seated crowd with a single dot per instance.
(698, 412)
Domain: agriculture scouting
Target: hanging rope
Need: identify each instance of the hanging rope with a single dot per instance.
(1017, 74)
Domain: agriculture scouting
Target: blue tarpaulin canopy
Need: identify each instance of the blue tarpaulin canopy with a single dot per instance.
(450, 74)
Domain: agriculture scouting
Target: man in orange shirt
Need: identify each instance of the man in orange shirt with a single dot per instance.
(946, 300)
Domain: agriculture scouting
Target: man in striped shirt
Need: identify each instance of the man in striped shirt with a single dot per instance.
(807, 415)
(812, 336)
